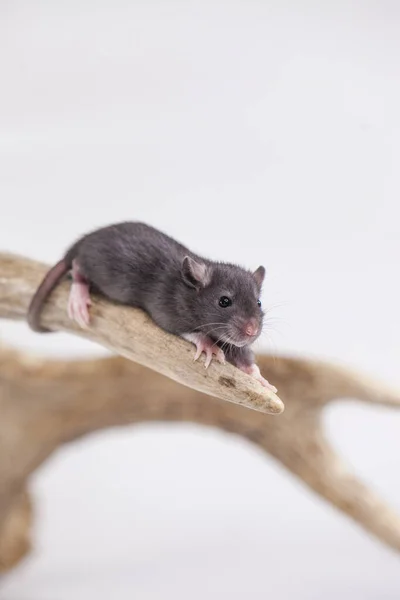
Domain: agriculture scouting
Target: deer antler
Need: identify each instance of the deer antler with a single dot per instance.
(46, 403)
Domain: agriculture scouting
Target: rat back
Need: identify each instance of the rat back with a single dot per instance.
(136, 265)
(130, 263)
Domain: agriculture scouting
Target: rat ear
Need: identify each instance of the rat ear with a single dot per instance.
(195, 274)
(259, 275)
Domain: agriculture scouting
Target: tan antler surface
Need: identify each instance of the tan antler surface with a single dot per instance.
(44, 404)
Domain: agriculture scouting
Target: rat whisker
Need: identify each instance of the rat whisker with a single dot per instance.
(217, 342)
(273, 328)
(224, 345)
(225, 341)
(273, 306)
(274, 352)
(272, 318)
(214, 329)
(209, 324)
(217, 326)
(230, 340)
(274, 324)
(268, 326)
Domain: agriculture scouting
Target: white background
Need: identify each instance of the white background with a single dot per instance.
(258, 132)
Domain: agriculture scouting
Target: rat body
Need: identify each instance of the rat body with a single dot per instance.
(214, 305)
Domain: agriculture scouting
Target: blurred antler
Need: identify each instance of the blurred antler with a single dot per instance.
(45, 403)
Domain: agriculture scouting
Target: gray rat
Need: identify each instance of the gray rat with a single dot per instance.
(214, 305)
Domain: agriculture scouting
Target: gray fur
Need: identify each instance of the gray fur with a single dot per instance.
(137, 265)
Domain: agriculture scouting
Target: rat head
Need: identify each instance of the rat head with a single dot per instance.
(225, 300)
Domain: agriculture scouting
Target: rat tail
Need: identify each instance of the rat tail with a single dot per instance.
(49, 282)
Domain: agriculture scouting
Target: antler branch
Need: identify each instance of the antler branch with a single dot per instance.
(44, 404)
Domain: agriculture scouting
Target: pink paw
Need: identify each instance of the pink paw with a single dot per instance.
(254, 371)
(206, 345)
(78, 303)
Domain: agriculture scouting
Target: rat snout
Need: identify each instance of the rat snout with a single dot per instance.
(250, 328)
(244, 331)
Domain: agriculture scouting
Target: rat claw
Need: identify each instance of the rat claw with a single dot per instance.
(219, 355)
(205, 344)
(212, 351)
(198, 353)
(209, 355)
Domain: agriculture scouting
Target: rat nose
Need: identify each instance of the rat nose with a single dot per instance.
(251, 327)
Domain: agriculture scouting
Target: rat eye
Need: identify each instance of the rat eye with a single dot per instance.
(259, 303)
(224, 301)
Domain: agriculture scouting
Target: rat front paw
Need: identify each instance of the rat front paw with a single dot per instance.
(254, 371)
(205, 344)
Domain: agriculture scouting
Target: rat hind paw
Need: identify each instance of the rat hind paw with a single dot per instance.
(78, 303)
(205, 344)
(254, 371)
